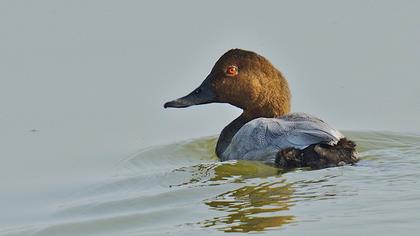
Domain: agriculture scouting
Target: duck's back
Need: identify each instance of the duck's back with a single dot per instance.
(261, 138)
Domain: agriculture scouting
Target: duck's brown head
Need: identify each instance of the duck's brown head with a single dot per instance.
(245, 80)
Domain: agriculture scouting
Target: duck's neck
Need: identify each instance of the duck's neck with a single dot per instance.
(228, 132)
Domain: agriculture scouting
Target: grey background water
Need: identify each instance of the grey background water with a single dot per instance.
(82, 83)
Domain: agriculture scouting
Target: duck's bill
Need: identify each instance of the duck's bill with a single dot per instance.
(179, 103)
(202, 95)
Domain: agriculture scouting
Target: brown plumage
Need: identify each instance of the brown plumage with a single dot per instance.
(249, 89)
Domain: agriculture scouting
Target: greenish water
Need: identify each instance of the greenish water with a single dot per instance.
(181, 189)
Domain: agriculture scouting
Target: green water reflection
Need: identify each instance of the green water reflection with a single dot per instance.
(252, 207)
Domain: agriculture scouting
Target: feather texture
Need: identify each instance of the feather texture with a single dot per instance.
(261, 138)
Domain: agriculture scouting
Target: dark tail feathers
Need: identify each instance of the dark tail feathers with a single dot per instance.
(318, 156)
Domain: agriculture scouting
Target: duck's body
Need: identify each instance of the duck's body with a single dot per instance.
(266, 130)
(262, 138)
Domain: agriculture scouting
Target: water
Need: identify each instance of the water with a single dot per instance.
(181, 189)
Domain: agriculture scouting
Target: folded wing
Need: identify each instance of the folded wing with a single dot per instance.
(262, 138)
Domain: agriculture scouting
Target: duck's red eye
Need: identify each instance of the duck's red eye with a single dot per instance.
(232, 71)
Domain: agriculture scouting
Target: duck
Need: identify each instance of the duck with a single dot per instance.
(266, 130)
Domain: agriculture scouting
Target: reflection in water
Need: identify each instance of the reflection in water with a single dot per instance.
(251, 207)
(216, 173)
(242, 170)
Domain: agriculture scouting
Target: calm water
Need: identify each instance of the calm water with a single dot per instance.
(181, 189)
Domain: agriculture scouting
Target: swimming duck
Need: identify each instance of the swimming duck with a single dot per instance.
(266, 130)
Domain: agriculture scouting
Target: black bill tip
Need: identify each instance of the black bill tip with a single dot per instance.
(178, 103)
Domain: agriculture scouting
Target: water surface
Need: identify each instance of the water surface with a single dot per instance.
(181, 189)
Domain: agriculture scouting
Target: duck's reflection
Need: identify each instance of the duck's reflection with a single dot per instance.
(253, 206)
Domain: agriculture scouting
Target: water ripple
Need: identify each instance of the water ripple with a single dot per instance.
(182, 189)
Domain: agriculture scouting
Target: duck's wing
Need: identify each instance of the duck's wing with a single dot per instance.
(262, 138)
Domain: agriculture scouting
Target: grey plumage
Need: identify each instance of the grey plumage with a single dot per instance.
(261, 138)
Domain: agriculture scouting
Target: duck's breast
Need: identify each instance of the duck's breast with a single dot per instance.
(262, 138)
